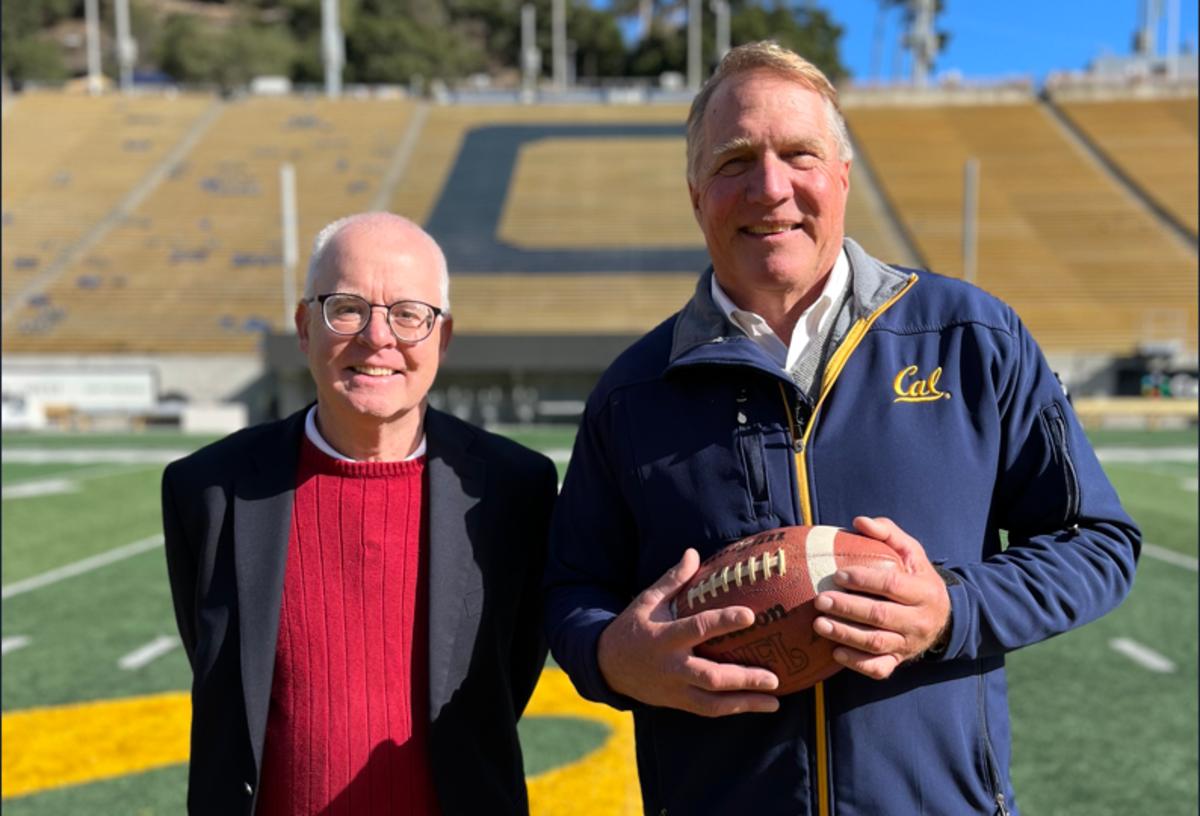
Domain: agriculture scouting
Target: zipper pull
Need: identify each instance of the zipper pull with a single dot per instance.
(1002, 803)
(802, 413)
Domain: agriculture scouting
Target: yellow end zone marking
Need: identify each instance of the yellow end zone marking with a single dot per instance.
(604, 781)
(85, 742)
(47, 748)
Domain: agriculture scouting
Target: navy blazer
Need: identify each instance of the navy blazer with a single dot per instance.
(226, 518)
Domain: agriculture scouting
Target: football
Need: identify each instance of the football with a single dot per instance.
(777, 574)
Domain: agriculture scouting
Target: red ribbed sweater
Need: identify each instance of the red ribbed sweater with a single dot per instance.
(346, 732)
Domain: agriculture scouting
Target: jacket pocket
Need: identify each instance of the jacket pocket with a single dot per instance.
(1054, 425)
(754, 468)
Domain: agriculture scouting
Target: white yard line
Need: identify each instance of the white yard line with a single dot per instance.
(1146, 455)
(1171, 557)
(11, 644)
(147, 653)
(42, 487)
(90, 456)
(80, 567)
(1144, 656)
(82, 474)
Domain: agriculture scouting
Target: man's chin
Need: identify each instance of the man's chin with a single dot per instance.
(374, 408)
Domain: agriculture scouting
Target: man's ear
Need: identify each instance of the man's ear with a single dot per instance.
(301, 319)
(444, 338)
(694, 195)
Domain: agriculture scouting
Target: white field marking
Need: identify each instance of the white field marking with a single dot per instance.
(1171, 557)
(821, 562)
(560, 455)
(89, 456)
(11, 644)
(43, 487)
(80, 567)
(1145, 455)
(67, 481)
(149, 652)
(1144, 656)
(99, 471)
(1191, 484)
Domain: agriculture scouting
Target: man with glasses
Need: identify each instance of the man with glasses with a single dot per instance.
(357, 586)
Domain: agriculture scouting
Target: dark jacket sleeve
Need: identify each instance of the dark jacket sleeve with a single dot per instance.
(181, 564)
(592, 538)
(1072, 549)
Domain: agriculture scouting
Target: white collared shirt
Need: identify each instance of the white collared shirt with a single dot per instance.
(811, 321)
(314, 436)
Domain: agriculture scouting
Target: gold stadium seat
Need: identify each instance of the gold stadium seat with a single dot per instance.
(1085, 264)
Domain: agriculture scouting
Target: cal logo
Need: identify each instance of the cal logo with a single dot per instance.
(909, 386)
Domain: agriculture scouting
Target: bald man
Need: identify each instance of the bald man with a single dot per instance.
(357, 586)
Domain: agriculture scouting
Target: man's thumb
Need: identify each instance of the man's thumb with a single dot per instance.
(674, 578)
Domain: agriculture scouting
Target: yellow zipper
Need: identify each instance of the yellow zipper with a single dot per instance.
(836, 363)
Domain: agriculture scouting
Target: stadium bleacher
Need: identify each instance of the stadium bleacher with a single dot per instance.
(1153, 141)
(197, 267)
(556, 218)
(1085, 264)
(68, 162)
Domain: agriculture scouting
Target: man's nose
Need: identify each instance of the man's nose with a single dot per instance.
(378, 332)
(771, 181)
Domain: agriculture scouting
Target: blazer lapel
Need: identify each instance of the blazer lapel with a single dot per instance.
(262, 519)
(457, 481)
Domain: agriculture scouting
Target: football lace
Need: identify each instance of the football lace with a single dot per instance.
(766, 566)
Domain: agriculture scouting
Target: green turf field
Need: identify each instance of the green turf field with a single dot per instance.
(1104, 718)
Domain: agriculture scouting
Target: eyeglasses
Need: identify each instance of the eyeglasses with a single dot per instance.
(411, 320)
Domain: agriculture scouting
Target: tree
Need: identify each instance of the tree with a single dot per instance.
(808, 31)
(25, 53)
(599, 48)
(191, 49)
(196, 51)
(396, 49)
(659, 51)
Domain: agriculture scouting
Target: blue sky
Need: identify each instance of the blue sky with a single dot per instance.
(994, 39)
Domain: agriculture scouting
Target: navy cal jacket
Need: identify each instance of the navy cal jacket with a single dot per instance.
(938, 410)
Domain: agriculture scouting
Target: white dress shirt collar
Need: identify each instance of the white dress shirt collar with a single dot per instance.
(810, 324)
(314, 436)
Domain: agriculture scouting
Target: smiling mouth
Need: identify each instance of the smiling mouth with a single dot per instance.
(374, 371)
(759, 230)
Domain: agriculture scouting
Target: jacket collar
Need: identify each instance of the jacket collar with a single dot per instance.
(703, 334)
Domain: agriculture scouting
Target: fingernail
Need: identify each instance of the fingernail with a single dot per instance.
(841, 576)
(823, 626)
(823, 603)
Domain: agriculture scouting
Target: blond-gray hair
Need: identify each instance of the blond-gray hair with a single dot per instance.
(769, 56)
(330, 231)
